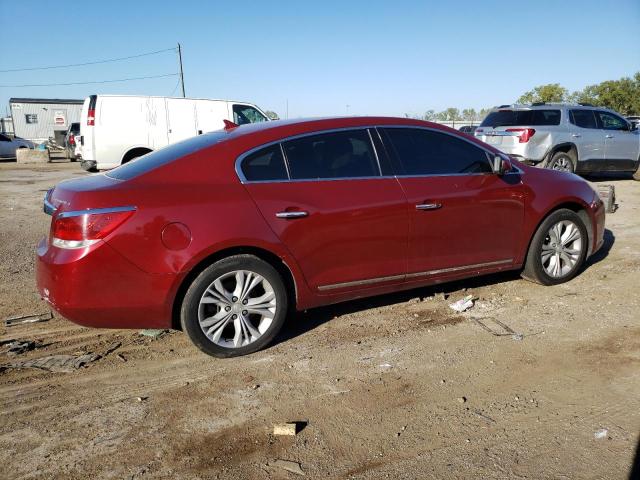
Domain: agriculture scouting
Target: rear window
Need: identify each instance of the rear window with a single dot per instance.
(265, 164)
(165, 155)
(511, 118)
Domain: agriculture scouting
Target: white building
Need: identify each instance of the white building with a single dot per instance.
(38, 119)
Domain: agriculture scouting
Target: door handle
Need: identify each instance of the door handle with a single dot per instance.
(576, 135)
(608, 136)
(428, 206)
(291, 215)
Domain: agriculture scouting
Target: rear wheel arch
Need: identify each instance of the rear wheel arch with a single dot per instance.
(566, 147)
(271, 258)
(135, 153)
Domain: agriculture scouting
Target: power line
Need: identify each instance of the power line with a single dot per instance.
(87, 83)
(87, 63)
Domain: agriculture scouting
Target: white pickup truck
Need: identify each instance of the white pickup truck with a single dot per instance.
(115, 129)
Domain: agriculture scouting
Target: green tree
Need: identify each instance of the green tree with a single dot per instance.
(429, 115)
(550, 93)
(469, 114)
(271, 115)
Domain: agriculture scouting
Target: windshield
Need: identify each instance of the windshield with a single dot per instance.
(165, 155)
(511, 118)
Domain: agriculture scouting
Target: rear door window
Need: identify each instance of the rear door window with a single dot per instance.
(512, 118)
(346, 154)
(583, 118)
(264, 165)
(426, 152)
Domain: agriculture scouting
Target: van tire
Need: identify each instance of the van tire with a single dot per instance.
(134, 153)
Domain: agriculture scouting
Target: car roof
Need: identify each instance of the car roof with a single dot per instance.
(266, 132)
(547, 106)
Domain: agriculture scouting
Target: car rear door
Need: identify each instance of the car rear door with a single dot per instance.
(587, 138)
(325, 198)
(621, 143)
(462, 216)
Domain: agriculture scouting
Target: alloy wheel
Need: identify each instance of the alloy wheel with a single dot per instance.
(561, 249)
(562, 164)
(237, 308)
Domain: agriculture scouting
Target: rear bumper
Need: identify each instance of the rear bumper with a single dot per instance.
(98, 287)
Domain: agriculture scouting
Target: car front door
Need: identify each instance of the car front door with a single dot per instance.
(588, 139)
(462, 216)
(7, 147)
(622, 145)
(325, 198)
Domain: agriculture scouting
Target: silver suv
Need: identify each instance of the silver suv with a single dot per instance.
(574, 138)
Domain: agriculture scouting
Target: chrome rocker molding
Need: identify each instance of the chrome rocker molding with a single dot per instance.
(409, 276)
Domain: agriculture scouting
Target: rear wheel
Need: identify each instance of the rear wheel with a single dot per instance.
(558, 249)
(563, 162)
(636, 175)
(235, 306)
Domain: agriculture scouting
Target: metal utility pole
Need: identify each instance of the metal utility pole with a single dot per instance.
(181, 73)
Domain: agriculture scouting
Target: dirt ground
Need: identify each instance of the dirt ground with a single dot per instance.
(398, 386)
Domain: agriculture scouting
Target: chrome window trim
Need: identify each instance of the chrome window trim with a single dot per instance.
(370, 281)
(76, 213)
(241, 157)
(48, 207)
(375, 151)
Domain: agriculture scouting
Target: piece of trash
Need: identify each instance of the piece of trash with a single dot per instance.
(289, 466)
(517, 337)
(463, 304)
(112, 348)
(34, 318)
(153, 333)
(57, 363)
(462, 399)
(121, 357)
(141, 399)
(602, 433)
(506, 329)
(20, 346)
(385, 365)
(290, 428)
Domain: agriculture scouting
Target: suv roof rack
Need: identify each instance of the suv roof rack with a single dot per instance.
(586, 104)
(537, 104)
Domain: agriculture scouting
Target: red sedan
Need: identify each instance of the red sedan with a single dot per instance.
(223, 234)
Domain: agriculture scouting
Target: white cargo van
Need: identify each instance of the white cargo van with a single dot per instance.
(117, 128)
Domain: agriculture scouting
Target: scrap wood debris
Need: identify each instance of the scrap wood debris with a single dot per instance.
(57, 363)
(33, 318)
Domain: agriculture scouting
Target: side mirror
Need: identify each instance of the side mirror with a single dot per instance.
(501, 165)
(633, 127)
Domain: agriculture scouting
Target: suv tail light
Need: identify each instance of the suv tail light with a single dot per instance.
(81, 229)
(72, 139)
(91, 117)
(524, 135)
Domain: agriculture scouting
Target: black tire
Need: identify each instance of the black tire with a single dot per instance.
(534, 269)
(636, 174)
(189, 312)
(563, 161)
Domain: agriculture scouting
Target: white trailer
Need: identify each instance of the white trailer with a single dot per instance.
(115, 129)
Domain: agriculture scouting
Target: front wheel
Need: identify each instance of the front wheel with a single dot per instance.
(235, 306)
(558, 249)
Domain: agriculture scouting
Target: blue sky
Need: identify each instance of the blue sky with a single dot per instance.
(377, 57)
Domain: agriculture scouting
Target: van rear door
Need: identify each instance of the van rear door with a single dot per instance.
(181, 119)
(87, 122)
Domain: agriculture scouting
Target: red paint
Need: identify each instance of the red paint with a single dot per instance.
(176, 236)
(356, 229)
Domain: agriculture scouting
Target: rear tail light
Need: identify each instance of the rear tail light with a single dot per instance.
(81, 229)
(524, 134)
(91, 117)
(72, 140)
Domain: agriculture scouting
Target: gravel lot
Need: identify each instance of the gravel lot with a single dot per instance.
(398, 386)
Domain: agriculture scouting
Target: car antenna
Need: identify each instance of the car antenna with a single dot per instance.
(229, 125)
